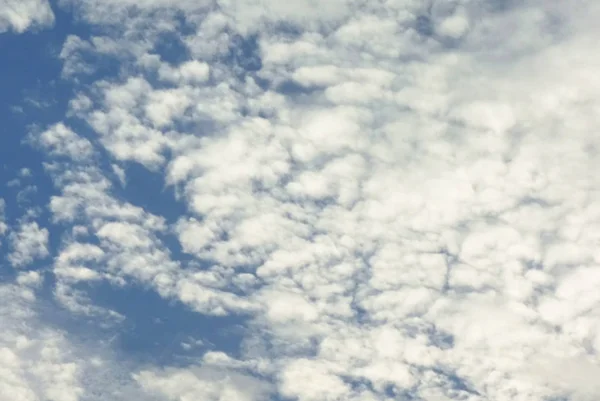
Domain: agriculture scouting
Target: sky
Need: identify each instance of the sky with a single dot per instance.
(339, 200)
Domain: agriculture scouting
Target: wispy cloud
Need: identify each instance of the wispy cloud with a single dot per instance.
(3, 226)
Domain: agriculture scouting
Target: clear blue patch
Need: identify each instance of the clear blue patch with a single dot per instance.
(456, 384)
(358, 385)
(396, 394)
(244, 54)
(147, 190)
(441, 339)
(155, 328)
(296, 91)
(171, 48)
(424, 25)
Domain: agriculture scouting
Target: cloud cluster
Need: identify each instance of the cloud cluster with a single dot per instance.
(28, 243)
(36, 360)
(22, 15)
(211, 383)
(398, 196)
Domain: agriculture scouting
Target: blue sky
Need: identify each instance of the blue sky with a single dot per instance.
(312, 201)
(35, 96)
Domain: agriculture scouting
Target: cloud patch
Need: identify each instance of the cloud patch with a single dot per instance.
(28, 243)
(21, 15)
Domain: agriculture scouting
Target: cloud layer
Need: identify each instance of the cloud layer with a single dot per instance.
(397, 198)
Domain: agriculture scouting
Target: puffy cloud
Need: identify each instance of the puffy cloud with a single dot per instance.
(28, 243)
(205, 383)
(21, 15)
(401, 203)
(60, 140)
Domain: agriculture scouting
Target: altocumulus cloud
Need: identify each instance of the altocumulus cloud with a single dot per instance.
(389, 200)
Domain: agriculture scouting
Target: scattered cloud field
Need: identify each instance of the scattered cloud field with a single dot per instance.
(341, 200)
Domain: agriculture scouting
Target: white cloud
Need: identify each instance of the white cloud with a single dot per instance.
(3, 226)
(407, 206)
(35, 359)
(190, 72)
(71, 262)
(60, 140)
(207, 383)
(28, 243)
(21, 15)
(324, 384)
